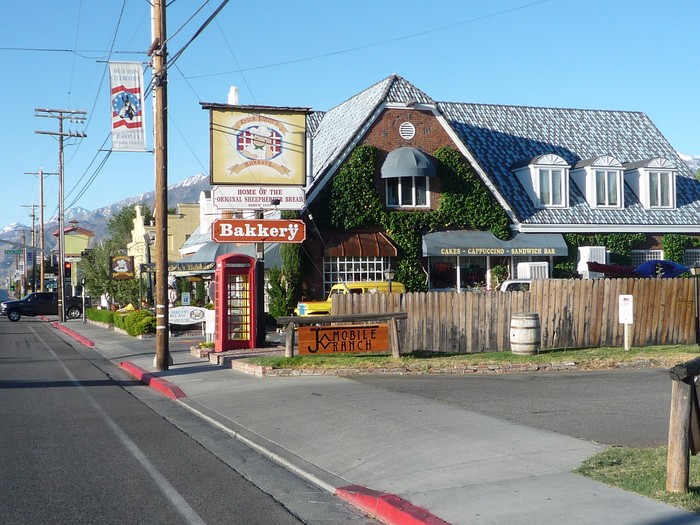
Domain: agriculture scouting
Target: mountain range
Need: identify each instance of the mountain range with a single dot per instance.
(96, 220)
(181, 192)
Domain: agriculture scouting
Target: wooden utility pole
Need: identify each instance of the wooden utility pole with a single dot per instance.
(33, 216)
(61, 115)
(160, 131)
(42, 252)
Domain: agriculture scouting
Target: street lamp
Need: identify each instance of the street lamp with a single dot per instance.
(389, 275)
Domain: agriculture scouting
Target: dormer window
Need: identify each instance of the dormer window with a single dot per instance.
(407, 172)
(659, 189)
(654, 182)
(551, 187)
(600, 180)
(546, 180)
(607, 188)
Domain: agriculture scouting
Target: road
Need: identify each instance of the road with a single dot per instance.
(82, 443)
(619, 407)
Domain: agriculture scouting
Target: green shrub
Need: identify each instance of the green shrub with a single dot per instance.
(134, 323)
(100, 316)
(119, 321)
(140, 322)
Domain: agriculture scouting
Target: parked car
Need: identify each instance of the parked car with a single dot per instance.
(40, 303)
(515, 285)
(324, 307)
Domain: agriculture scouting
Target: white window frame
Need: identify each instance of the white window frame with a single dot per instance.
(639, 257)
(349, 269)
(691, 258)
(657, 192)
(608, 175)
(399, 192)
(549, 188)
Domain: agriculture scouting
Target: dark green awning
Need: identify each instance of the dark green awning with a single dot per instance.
(468, 242)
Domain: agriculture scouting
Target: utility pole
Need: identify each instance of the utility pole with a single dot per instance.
(24, 263)
(61, 115)
(158, 52)
(33, 215)
(41, 174)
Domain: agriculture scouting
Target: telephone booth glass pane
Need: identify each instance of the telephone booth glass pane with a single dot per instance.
(238, 297)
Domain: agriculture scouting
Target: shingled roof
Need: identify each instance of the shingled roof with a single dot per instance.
(499, 136)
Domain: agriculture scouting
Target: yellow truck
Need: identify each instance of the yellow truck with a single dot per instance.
(324, 307)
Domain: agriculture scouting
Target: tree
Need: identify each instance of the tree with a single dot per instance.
(96, 267)
(96, 263)
(122, 222)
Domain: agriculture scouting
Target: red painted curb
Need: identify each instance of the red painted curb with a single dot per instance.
(74, 335)
(387, 507)
(163, 386)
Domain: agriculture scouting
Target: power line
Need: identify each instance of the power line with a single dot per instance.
(379, 43)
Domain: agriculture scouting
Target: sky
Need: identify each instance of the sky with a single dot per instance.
(637, 55)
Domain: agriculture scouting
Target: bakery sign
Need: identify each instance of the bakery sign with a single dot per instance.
(258, 230)
(257, 145)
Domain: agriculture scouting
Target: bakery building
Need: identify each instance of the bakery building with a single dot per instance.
(448, 194)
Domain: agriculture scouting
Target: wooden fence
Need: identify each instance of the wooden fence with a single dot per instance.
(573, 314)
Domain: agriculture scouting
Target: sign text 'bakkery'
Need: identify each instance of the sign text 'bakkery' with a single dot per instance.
(258, 230)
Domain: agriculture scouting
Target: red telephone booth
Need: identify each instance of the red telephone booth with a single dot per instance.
(235, 302)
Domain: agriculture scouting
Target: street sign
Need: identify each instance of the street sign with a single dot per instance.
(258, 230)
(258, 197)
(13, 252)
(625, 309)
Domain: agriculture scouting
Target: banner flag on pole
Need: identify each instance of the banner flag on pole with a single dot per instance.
(126, 94)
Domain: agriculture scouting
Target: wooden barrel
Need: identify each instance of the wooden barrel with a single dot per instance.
(525, 334)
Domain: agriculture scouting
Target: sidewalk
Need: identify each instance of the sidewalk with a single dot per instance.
(404, 459)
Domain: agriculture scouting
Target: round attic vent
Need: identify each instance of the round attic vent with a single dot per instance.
(407, 131)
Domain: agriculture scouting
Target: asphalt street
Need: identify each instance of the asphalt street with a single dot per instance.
(419, 443)
(83, 443)
(628, 408)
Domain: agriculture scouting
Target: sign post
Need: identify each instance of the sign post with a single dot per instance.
(626, 307)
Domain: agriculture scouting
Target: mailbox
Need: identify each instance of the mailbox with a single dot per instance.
(235, 302)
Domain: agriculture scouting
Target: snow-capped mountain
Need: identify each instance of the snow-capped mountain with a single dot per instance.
(693, 161)
(96, 220)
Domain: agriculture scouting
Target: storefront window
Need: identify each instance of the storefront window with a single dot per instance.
(443, 273)
(348, 269)
(472, 272)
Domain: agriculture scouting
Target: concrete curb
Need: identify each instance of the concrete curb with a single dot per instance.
(74, 335)
(389, 508)
(161, 385)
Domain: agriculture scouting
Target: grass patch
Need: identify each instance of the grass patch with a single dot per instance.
(642, 471)
(586, 359)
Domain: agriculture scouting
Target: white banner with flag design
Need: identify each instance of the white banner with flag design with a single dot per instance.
(128, 115)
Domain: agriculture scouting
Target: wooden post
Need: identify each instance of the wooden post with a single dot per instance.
(394, 337)
(678, 461)
(289, 341)
(162, 358)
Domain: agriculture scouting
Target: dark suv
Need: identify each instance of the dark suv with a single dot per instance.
(40, 303)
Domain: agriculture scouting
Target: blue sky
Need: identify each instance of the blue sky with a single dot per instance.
(638, 55)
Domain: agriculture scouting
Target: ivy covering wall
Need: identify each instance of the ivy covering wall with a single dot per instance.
(354, 202)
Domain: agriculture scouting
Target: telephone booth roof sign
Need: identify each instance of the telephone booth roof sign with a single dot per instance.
(259, 145)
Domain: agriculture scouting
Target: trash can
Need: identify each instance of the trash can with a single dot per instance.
(525, 333)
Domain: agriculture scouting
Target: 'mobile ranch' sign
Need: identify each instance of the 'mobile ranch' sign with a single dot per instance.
(258, 230)
(343, 339)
